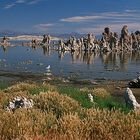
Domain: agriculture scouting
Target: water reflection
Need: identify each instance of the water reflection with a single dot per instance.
(116, 61)
(61, 55)
(5, 48)
(46, 50)
(112, 61)
(75, 62)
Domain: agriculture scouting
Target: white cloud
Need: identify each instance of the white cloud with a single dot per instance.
(43, 26)
(33, 2)
(102, 16)
(98, 29)
(96, 22)
(8, 6)
(131, 10)
(81, 18)
(17, 2)
(20, 1)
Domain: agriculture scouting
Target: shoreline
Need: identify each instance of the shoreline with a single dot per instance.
(115, 87)
(41, 76)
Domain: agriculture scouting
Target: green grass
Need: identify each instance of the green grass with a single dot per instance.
(82, 97)
(75, 93)
(110, 103)
(37, 90)
(4, 85)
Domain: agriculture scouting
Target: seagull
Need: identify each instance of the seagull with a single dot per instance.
(48, 68)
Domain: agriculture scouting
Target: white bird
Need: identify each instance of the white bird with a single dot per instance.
(90, 97)
(48, 67)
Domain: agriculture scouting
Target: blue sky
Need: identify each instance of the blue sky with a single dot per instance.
(66, 16)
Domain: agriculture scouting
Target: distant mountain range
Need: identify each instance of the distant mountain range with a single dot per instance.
(15, 33)
(64, 36)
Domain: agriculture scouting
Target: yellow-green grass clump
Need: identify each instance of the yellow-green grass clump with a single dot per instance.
(100, 92)
(25, 123)
(20, 87)
(70, 125)
(45, 87)
(53, 101)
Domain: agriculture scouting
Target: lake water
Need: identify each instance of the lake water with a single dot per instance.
(118, 66)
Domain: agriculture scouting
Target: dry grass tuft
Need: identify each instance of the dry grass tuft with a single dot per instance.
(85, 89)
(25, 123)
(70, 125)
(100, 92)
(53, 101)
(4, 99)
(20, 87)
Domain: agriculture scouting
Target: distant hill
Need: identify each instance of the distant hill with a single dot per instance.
(15, 33)
(28, 36)
(67, 35)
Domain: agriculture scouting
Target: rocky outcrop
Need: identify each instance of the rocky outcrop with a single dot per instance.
(130, 99)
(135, 83)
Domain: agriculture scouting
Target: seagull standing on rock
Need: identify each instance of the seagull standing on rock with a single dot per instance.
(48, 68)
(48, 71)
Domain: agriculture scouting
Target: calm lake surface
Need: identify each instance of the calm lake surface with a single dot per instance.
(119, 66)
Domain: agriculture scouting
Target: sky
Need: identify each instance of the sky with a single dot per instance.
(69, 16)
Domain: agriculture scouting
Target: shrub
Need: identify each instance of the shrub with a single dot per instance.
(25, 123)
(59, 104)
(70, 125)
(20, 87)
(4, 99)
(42, 88)
(77, 94)
(100, 92)
(105, 124)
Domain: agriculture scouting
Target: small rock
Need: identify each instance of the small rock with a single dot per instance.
(90, 97)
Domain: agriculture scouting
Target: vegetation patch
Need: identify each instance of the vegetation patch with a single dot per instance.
(66, 113)
(4, 85)
(77, 94)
